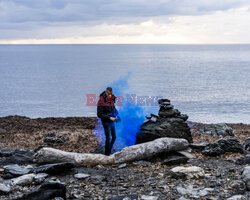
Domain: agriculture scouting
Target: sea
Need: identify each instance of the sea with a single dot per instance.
(209, 83)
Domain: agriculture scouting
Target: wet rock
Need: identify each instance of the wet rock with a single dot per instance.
(23, 180)
(170, 123)
(47, 191)
(53, 137)
(217, 129)
(4, 189)
(246, 176)
(125, 197)
(81, 176)
(6, 152)
(187, 172)
(12, 171)
(222, 146)
(56, 168)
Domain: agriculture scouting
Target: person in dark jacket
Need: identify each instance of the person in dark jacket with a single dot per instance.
(108, 114)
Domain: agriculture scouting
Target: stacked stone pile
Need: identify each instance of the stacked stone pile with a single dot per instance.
(169, 123)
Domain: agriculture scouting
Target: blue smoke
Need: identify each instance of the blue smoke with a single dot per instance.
(132, 117)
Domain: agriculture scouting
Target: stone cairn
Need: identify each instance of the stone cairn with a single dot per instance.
(169, 123)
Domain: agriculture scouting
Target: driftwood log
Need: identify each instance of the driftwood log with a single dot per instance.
(128, 154)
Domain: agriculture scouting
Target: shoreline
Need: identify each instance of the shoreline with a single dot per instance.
(24, 132)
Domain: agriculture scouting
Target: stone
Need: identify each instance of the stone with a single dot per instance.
(246, 145)
(145, 197)
(53, 137)
(186, 154)
(246, 176)
(236, 197)
(164, 127)
(243, 161)
(128, 154)
(81, 176)
(223, 145)
(2, 131)
(39, 178)
(6, 152)
(23, 180)
(165, 113)
(56, 168)
(125, 197)
(198, 146)
(4, 189)
(188, 172)
(193, 191)
(12, 171)
(168, 158)
(217, 129)
(47, 191)
(238, 186)
(122, 166)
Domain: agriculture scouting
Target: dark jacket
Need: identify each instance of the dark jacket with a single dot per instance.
(106, 107)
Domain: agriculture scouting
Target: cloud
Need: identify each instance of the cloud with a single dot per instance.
(129, 20)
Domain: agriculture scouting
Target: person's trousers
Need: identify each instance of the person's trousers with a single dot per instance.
(109, 129)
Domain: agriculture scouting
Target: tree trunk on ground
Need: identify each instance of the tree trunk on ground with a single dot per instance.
(128, 154)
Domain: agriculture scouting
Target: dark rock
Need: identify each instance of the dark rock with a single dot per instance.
(199, 146)
(168, 158)
(16, 156)
(222, 146)
(46, 191)
(217, 129)
(168, 113)
(161, 101)
(12, 171)
(6, 152)
(127, 197)
(183, 117)
(243, 161)
(164, 127)
(2, 131)
(53, 137)
(246, 176)
(246, 145)
(56, 168)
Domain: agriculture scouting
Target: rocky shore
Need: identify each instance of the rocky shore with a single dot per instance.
(212, 170)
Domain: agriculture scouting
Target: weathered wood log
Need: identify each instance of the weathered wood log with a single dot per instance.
(128, 154)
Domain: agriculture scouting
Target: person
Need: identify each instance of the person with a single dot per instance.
(108, 114)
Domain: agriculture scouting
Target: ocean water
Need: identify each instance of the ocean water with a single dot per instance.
(210, 83)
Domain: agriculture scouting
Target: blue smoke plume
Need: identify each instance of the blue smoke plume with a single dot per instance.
(132, 117)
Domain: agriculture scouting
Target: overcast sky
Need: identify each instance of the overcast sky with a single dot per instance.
(125, 21)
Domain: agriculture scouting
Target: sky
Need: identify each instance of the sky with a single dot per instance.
(124, 21)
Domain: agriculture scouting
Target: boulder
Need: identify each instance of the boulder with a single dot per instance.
(217, 129)
(246, 176)
(169, 123)
(187, 172)
(56, 168)
(46, 191)
(81, 176)
(128, 154)
(164, 127)
(221, 146)
(39, 178)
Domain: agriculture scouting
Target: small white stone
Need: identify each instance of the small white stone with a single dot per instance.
(81, 176)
